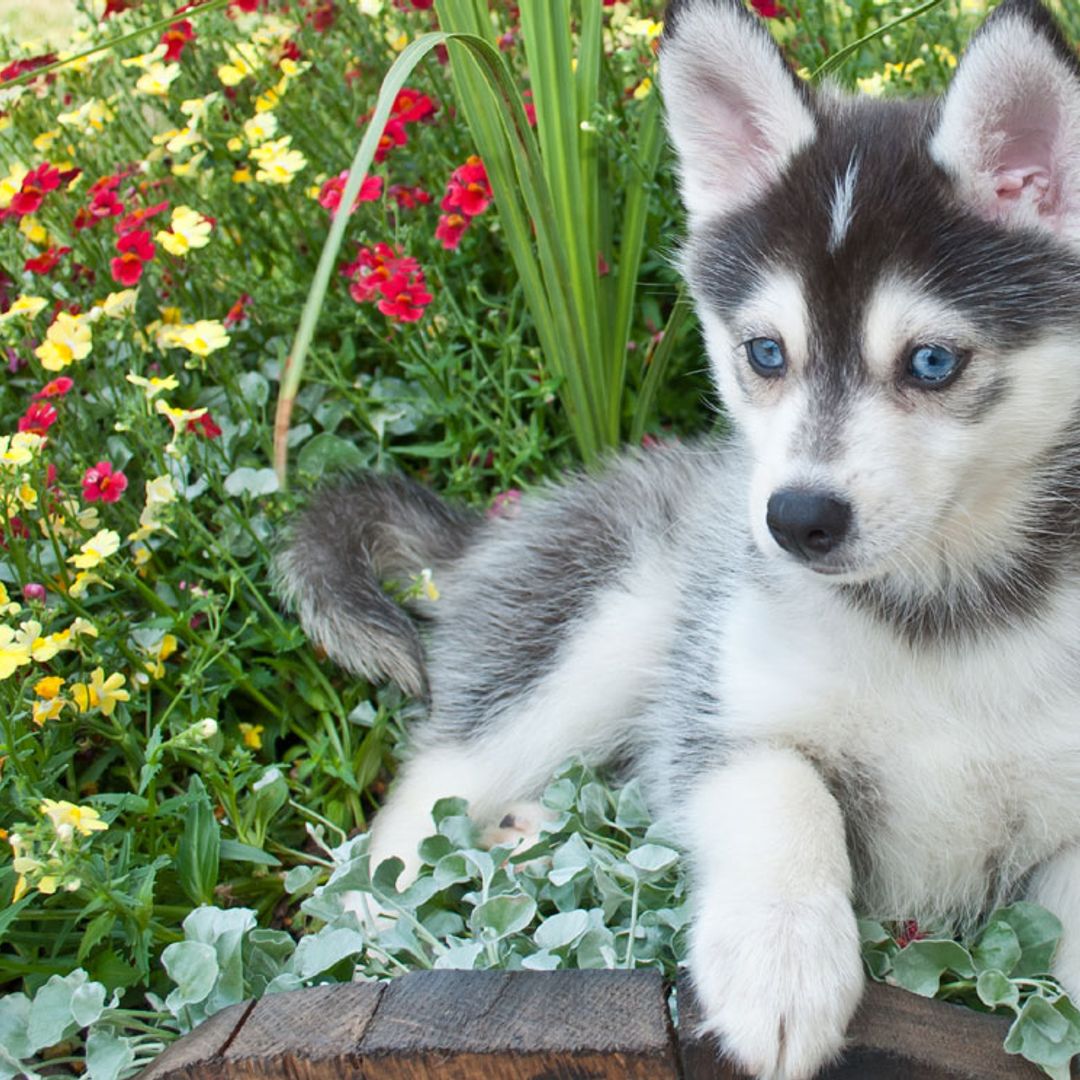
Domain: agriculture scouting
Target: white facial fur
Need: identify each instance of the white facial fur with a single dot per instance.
(928, 486)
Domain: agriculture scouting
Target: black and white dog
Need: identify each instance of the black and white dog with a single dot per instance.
(844, 647)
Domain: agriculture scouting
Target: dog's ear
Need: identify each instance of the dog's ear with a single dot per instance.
(735, 111)
(1009, 130)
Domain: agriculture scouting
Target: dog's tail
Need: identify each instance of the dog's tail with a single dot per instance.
(349, 539)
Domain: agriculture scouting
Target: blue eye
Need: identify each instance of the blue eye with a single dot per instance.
(932, 365)
(766, 356)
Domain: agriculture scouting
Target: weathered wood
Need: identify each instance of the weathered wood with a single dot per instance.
(559, 1025)
(188, 1057)
(303, 1035)
(895, 1036)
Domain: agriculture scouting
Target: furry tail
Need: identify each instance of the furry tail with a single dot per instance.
(349, 539)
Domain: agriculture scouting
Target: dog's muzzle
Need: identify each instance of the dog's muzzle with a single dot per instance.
(807, 524)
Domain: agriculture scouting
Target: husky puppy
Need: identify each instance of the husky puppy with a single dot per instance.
(843, 649)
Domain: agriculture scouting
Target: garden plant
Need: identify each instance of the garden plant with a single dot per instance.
(203, 313)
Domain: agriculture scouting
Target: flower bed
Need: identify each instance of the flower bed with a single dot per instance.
(181, 777)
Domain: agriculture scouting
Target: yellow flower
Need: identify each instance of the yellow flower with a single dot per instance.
(13, 454)
(199, 338)
(7, 605)
(156, 666)
(643, 89)
(24, 305)
(96, 550)
(67, 340)
(252, 735)
(83, 580)
(49, 687)
(184, 139)
(187, 168)
(241, 175)
(91, 116)
(242, 61)
(14, 651)
(157, 79)
(145, 60)
(195, 109)
(260, 127)
(118, 304)
(41, 712)
(34, 231)
(153, 386)
(43, 141)
(188, 230)
(11, 185)
(67, 818)
(278, 164)
(101, 693)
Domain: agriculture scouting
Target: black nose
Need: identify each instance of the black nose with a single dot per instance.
(806, 523)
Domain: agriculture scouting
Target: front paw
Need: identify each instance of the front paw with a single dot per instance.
(778, 981)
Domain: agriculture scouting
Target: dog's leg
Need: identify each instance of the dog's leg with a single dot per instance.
(774, 949)
(1056, 886)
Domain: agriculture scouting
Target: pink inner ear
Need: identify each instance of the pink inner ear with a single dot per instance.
(1025, 160)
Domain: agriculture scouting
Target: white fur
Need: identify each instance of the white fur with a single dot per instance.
(1010, 130)
(733, 112)
(842, 210)
(774, 948)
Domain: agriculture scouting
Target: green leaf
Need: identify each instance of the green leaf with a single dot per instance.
(1038, 932)
(631, 810)
(15, 1025)
(109, 1056)
(51, 1018)
(199, 849)
(996, 948)
(193, 967)
(1047, 1033)
(87, 1003)
(326, 454)
(918, 967)
(994, 989)
(562, 929)
(502, 916)
(234, 851)
(652, 860)
(248, 481)
(319, 952)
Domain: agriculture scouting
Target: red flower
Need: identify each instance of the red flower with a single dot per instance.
(238, 312)
(768, 9)
(36, 184)
(393, 135)
(21, 67)
(411, 106)
(468, 191)
(332, 190)
(204, 426)
(175, 37)
(405, 298)
(56, 388)
(393, 280)
(137, 218)
(408, 198)
(45, 263)
(38, 418)
(103, 482)
(114, 7)
(450, 229)
(322, 18)
(136, 249)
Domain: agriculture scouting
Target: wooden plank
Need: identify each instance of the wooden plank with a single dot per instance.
(188, 1058)
(309, 1034)
(557, 1025)
(895, 1035)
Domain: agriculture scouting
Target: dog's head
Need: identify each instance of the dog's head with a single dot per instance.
(889, 290)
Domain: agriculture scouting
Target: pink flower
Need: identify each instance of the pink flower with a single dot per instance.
(36, 184)
(46, 262)
(38, 418)
(450, 229)
(56, 388)
(405, 298)
(104, 483)
(136, 248)
(506, 504)
(332, 190)
(468, 191)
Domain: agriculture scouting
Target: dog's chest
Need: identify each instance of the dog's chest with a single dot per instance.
(957, 769)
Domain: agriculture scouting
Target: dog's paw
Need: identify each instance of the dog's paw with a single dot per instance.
(779, 981)
(520, 825)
